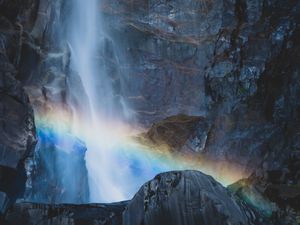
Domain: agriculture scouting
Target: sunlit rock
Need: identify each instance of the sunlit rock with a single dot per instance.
(181, 133)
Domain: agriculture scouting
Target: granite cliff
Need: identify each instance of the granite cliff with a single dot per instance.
(218, 79)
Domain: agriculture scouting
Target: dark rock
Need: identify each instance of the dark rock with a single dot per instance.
(234, 63)
(274, 192)
(32, 214)
(227, 61)
(17, 129)
(4, 203)
(188, 198)
(179, 133)
(39, 59)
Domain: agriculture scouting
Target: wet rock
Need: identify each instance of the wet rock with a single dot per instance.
(188, 197)
(51, 171)
(40, 61)
(227, 61)
(218, 49)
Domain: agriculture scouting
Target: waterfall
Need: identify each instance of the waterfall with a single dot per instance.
(117, 166)
(83, 123)
(87, 39)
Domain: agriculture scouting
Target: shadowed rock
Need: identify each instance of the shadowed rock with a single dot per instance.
(185, 198)
(173, 198)
(33, 214)
(17, 129)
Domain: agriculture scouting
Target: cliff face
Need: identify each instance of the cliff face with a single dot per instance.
(189, 56)
(18, 137)
(230, 65)
(34, 56)
(232, 62)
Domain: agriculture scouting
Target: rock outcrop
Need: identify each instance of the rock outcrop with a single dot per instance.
(185, 198)
(175, 198)
(180, 134)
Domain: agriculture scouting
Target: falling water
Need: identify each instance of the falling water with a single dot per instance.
(86, 37)
(117, 167)
(114, 173)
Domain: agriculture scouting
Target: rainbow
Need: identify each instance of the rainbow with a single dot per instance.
(127, 163)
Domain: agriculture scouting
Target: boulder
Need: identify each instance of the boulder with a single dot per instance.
(185, 198)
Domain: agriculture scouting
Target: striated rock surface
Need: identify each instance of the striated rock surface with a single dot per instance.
(17, 129)
(229, 61)
(185, 198)
(38, 57)
(32, 53)
(17, 124)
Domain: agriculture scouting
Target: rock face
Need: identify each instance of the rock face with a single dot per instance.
(32, 54)
(179, 133)
(233, 62)
(231, 65)
(275, 192)
(174, 198)
(30, 214)
(17, 129)
(185, 198)
(41, 63)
